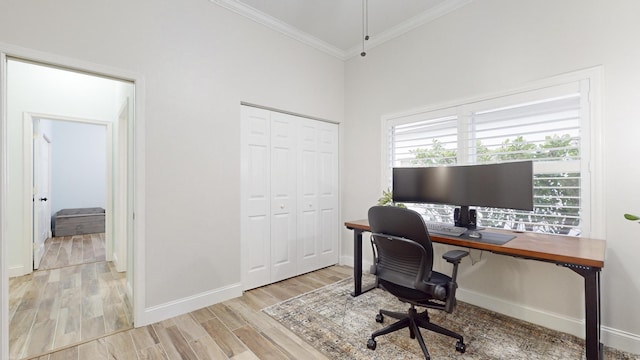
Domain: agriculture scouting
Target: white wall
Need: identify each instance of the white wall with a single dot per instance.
(43, 90)
(495, 45)
(198, 61)
(78, 165)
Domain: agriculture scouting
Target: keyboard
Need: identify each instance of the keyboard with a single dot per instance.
(445, 229)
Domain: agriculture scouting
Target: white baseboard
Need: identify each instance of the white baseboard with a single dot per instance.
(185, 305)
(16, 271)
(549, 320)
(611, 337)
(121, 266)
(620, 340)
(348, 261)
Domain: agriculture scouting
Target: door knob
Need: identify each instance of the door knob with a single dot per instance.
(43, 199)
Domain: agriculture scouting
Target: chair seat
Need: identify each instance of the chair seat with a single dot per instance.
(412, 295)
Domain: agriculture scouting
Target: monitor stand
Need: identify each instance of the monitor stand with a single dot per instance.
(465, 217)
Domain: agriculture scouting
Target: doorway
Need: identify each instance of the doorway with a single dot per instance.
(69, 299)
(73, 186)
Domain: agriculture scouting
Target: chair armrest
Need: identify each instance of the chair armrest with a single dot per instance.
(454, 256)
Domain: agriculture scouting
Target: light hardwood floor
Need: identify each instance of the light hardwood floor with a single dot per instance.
(72, 250)
(236, 329)
(74, 297)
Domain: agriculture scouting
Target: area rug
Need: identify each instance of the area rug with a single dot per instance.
(339, 325)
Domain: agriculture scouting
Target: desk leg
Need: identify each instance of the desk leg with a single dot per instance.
(357, 264)
(594, 349)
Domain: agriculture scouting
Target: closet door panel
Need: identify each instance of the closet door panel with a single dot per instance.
(283, 197)
(308, 196)
(255, 195)
(328, 241)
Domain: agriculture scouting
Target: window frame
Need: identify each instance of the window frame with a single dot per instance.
(588, 82)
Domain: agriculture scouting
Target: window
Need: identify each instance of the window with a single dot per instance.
(549, 125)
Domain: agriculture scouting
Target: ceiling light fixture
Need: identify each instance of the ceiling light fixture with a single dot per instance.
(365, 25)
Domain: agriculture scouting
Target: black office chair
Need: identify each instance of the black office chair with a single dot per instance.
(403, 262)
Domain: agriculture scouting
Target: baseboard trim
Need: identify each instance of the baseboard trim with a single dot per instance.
(612, 337)
(620, 340)
(191, 303)
(546, 319)
(348, 261)
(16, 271)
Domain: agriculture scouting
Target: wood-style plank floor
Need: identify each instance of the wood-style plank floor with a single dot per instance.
(72, 250)
(54, 308)
(236, 329)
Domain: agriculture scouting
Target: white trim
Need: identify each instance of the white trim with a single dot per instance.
(139, 275)
(546, 319)
(594, 121)
(553, 81)
(27, 198)
(347, 260)
(614, 338)
(188, 304)
(18, 270)
(279, 26)
(269, 21)
(421, 19)
(620, 340)
(4, 273)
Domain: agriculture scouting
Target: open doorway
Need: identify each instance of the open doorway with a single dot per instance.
(71, 180)
(64, 305)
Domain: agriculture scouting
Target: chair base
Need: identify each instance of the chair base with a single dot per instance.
(414, 321)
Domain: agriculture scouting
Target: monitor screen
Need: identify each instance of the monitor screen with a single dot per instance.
(506, 185)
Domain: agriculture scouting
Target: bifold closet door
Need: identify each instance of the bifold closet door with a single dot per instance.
(268, 234)
(317, 195)
(283, 196)
(289, 194)
(255, 195)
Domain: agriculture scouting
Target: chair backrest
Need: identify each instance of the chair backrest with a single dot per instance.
(401, 262)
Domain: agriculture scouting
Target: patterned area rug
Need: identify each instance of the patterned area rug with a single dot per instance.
(339, 325)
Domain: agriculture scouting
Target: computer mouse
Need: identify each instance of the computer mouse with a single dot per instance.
(475, 234)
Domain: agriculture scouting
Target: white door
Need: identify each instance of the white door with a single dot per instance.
(308, 235)
(283, 196)
(328, 222)
(41, 199)
(255, 197)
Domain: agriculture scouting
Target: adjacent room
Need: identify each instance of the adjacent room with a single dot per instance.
(249, 141)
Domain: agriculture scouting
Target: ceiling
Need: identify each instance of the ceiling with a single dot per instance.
(336, 26)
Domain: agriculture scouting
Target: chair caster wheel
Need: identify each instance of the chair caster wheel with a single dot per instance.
(461, 347)
(379, 318)
(371, 344)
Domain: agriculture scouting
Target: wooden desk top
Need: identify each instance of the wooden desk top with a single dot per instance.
(544, 247)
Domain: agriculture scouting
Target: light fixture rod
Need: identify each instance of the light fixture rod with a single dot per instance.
(365, 25)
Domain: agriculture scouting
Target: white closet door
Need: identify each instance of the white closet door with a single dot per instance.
(308, 234)
(328, 228)
(255, 194)
(283, 196)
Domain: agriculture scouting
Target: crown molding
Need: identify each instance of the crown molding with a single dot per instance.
(288, 30)
(277, 25)
(408, 25)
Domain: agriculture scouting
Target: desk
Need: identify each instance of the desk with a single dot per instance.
(582, 255)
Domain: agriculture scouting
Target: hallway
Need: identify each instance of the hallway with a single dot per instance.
(75, 296)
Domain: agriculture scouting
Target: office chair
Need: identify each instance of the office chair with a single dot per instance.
(403, 262)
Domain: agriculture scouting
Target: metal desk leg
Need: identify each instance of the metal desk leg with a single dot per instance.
(594, 348)
(357, 264)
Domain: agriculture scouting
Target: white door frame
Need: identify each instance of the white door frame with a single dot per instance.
(137, 155)
(28, 162)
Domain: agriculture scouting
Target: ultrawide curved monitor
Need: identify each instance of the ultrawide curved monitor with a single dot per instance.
(506, 185)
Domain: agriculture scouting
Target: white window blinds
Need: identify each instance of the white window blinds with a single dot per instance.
(544, 126)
